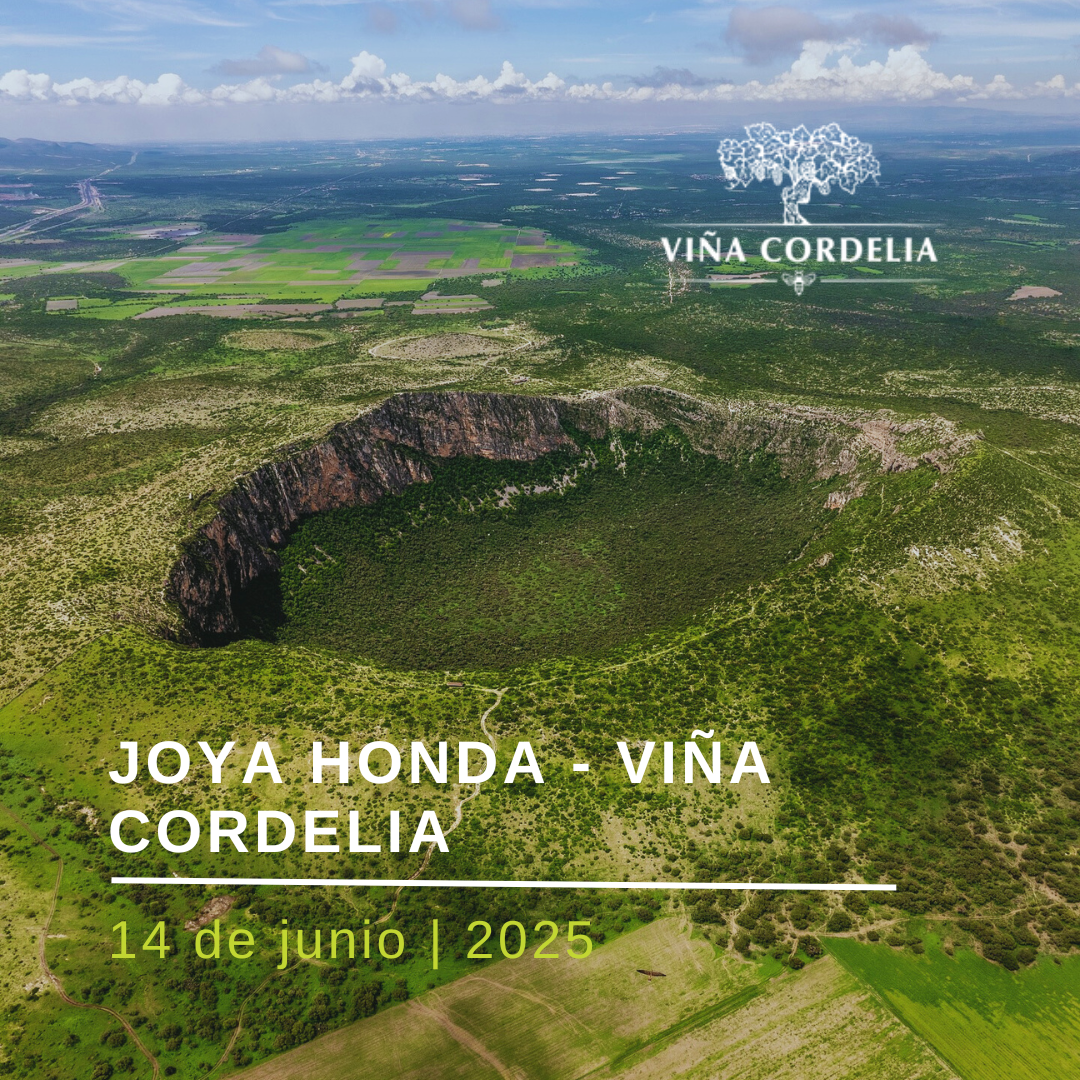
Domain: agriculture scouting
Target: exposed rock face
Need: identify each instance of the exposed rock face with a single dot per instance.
(381, 452)
(384, 451)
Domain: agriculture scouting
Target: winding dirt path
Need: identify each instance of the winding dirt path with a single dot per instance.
(239, 1026)
(459, 806)
(469, 1041)
(48, 972)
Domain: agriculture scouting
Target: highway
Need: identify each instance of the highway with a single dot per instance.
(89, 199)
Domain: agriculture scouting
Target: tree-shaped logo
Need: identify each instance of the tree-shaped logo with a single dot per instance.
(809, 159)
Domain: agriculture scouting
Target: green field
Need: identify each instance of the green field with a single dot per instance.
(708, 1017)
(328, 260)
(986, 1022)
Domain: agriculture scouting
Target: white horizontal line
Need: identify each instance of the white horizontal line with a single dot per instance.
(422, 883)
(821, 280)
(805, 225)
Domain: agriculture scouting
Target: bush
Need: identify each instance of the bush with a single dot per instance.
(839, 921)
(746, 919)
(764, 933)
(800, 915)
(856, 903)
(705, 912)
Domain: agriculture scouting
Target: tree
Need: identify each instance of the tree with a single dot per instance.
(839, 921)
(816, 159)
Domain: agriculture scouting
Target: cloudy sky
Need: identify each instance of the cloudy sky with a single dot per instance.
(236, 68)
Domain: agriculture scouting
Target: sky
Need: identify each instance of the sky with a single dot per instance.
(225, 69)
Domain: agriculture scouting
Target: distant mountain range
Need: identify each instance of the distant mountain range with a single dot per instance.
(38, 154)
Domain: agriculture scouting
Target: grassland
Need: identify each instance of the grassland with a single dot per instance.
(985, 1021)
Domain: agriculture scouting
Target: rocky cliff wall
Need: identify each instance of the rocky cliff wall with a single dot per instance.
(384, 451)
(379, 453)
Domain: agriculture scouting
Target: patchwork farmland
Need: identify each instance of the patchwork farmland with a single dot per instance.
(314, 266)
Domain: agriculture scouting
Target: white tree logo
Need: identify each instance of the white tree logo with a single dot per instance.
(810, 159)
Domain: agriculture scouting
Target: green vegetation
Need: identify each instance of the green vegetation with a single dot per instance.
(984, 1021)
(604, 1018)
(475, 571)
(319, 261)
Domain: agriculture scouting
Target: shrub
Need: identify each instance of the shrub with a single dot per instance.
(764, 933)
(839, 921)
(856, 903)
(800, 915)
(746, 919)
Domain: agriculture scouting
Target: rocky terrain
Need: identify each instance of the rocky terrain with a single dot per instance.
(389, 448)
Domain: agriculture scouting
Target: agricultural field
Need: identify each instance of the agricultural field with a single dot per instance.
(980, 1018)
(843, 525)
(317, 266)
(707, 1016)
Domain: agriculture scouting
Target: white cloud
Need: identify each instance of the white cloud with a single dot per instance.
(765, 33)
(904, 76)
(143, 12)
(10, 38)
(270, 60)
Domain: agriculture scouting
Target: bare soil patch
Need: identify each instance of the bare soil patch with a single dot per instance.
(439, 346)
(1030, 292)
(217, 908)
(263, 340)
